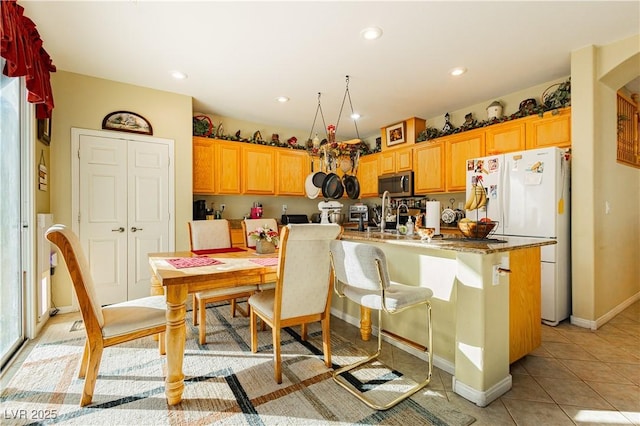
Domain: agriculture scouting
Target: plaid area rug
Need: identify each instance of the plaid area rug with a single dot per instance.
(225, 383)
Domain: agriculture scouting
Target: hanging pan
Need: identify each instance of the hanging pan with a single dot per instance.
(351, 184)
(332, 186)
(311, 190)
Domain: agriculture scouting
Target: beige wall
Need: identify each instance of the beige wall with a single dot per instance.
(605, 246)
(83, 101)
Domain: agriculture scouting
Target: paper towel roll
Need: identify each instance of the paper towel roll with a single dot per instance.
(433, 216)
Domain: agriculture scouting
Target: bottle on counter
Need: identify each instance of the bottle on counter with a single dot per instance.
(409, 226)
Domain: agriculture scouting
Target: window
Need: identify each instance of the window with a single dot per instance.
(628, 129)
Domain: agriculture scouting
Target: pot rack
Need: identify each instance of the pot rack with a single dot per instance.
(347, 95)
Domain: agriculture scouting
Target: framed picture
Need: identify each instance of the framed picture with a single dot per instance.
(395, 134)
(125, 121)
(44, 130)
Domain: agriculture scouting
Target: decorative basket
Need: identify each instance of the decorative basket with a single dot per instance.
(477, 230)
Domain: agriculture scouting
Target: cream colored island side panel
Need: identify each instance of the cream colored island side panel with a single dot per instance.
(470, 309)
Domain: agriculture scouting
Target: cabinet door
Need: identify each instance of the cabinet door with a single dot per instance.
(292, 168)
(258, 165)
(458, 150)
(387, 162)
(524, 302)
(368, 175)
(506, 137)
(429, 168)
(228, 164)
(404, 159)
(203, 166)
(550, 130)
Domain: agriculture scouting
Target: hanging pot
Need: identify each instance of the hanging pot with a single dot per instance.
(310, 188)
(332, 186)
(351, 184)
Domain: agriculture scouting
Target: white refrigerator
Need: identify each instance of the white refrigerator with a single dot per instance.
(527, 192)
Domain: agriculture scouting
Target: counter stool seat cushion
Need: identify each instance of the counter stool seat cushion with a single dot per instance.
(397, 296)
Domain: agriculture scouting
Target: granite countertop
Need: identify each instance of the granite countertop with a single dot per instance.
(495, 244)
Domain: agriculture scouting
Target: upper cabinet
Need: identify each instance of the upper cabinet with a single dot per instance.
(203, 166)
(505, 137)
(549, 130)
(227, 167)
(292, 168)
(258, 166)
(398, 160)
(368, 175)
(458, 149)
(429, 168)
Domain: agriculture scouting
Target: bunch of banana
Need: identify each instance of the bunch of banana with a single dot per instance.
(477, 198)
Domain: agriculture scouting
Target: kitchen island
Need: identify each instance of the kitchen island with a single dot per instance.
(486, 304)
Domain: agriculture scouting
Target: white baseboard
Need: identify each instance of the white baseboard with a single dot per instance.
(482, 398)
(439, 362)
(65, 309)
(594, 325)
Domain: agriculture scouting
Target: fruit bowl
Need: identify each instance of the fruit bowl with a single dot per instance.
(477, 230)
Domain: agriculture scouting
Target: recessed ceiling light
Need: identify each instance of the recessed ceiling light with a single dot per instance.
(178, 75)
(371, 33)
(458, 71)
(282, 99)
(355, 116)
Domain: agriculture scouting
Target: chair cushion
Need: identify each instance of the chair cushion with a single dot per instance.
(134, 315)
(209, 234)
(229, 291)
(398, 296)
(263, 301)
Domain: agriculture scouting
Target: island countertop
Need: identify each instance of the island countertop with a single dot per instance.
(495, 244)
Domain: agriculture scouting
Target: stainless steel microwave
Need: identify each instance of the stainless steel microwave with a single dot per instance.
(398, 184)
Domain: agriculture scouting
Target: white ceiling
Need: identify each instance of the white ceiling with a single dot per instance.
(241, 55)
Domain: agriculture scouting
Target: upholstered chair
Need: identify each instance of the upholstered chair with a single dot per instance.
(109, 325)
(361, 274)
(208, 235)
(302, 292)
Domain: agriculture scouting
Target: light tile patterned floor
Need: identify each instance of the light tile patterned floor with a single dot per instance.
(577, 376)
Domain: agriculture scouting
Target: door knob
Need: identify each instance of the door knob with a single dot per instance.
(134, 229)
(121, 229)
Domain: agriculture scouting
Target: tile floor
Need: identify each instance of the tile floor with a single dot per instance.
(577, 376)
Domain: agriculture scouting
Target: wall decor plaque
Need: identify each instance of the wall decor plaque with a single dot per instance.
(125, 121)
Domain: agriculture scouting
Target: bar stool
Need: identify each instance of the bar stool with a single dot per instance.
(361, 274)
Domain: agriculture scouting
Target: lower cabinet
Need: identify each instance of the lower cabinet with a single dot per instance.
(525, 328)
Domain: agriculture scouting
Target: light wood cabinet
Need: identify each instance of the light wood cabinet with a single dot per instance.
(258, 166)
(429, 169)
(397, 160)
(549, 130)
(368, 175)
(525, 329)
(228, 163)
(203, 166)
(292, 168)
(237, 238)
(458, 149)
(505, 137)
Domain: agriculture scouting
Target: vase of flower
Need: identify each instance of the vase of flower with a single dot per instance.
(264, 247)
(266, 239)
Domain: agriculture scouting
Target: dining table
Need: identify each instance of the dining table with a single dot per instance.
(176, 274)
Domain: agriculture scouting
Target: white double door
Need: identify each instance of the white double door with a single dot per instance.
(125, 209)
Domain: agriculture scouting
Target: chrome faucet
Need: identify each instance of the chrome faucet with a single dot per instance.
(383, 219)
(398, 213)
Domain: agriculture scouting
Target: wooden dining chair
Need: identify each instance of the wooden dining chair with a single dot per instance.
(109, 325)
(302, 292)
(214, 234)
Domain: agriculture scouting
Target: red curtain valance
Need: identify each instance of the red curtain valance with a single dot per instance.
(21, 46)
